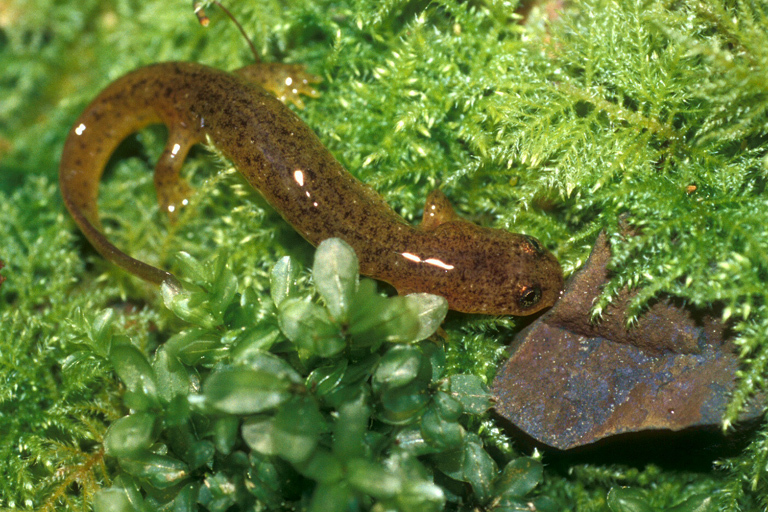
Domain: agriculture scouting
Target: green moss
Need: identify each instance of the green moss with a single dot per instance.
(655, 110)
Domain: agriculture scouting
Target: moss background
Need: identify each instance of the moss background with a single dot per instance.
(553, 127)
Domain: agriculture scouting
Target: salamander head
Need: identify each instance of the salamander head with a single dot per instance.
(490, 271)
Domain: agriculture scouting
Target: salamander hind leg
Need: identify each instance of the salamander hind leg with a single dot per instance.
(173, 192)
(286, 81)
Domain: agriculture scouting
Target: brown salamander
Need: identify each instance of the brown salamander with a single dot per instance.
(477, 269)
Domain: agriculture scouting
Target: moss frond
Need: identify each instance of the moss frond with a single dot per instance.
(52, 419)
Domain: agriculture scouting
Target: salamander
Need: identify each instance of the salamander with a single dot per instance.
(477, 269)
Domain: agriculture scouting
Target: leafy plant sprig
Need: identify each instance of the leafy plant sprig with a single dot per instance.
(294, 403)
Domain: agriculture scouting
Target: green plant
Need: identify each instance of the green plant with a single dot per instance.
(288, 402)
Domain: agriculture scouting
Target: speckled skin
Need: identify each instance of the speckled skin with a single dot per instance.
(478, 270)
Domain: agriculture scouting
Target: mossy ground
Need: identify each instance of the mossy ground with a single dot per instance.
(555, 128)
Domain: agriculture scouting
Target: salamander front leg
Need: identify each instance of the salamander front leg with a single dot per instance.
(437, 210)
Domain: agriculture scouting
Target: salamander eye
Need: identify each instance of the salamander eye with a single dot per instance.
(535, 244)
(529, 297)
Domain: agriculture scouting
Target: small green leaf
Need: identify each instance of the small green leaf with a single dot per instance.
(282, 280)
(519, 477)
(186, 499)
(336, 272)
(255, 339)
(172, 378)
(372, 479)
(511, 504)
(447, 406)
(270, 363)
(124, 496)
(94, 338)
(190, 306)
(403, 405)
(311, 328)
(160, 471)
(116, 499)
(544, 504)
(324, 379)
(628, 499)
(203, 352)
(411, 440)
(376, 319)
(430, 311)
(223, 289)
(199, 454)
(242, 390)
(471, 392)
(190, 267)
(196, 346)
(225, 433)
(323, 467)
(440, 433)
(264, 481)
(332, 497)
(436, 358)
(176, 412)
(420, 496)
(696, 503)
(399, 366)
(470, 464)
(218, 493)
(351, 426)
(101, 328)
(247, 310)
(361, 370)
(296, 429)
(134, 370)
(258, 433)
(353, 383)
(130, 435)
